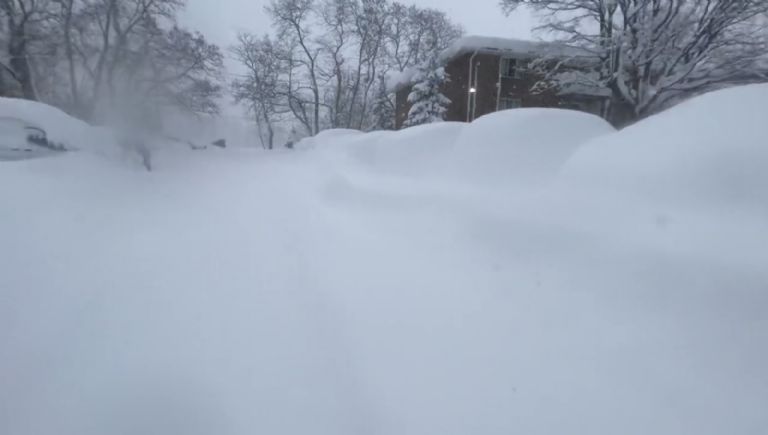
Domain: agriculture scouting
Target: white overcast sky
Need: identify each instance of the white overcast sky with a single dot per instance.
(220, 20)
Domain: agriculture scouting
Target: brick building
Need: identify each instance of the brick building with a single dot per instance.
(492, 74)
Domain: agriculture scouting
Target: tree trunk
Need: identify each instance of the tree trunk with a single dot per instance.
(19, 61)
(69, 51)
(270, 130)
(18, 58)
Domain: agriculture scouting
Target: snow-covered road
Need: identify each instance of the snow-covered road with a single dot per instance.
(378, 285)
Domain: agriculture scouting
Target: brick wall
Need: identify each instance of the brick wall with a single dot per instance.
(457, 90)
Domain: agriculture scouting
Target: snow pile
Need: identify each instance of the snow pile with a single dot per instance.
(508, 149)
(413, 152)
(523, 146)
(181, 134)
(368, 283)
(709, 150)
(59, 127)
(332, 137)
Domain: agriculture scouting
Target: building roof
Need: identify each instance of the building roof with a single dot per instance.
(511, 47)
(494, 45)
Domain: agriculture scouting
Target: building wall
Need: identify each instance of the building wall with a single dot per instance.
(457, 90)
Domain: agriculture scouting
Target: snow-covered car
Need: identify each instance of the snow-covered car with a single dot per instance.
(21, 139)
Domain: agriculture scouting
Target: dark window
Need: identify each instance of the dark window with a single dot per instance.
(511, 68)
(510, 103)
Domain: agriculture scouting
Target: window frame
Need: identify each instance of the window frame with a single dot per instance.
(505, 66)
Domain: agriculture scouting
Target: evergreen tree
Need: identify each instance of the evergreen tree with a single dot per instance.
(428, 104)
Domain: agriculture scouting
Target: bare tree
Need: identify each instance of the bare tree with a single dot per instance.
(66, 14)
(653, 53)
(21, 17)
(261, 89)
(88, 54)
(370, 22)
(334, 59)
(353, 45)
(414, 35)
(335, 17)
(182, 70)
(292, 19)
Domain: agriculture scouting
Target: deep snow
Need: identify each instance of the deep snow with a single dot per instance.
(398, 282)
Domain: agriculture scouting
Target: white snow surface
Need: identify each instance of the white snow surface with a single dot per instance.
(398, 282)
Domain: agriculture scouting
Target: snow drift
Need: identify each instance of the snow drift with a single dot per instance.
(59, 126)
(360, 286)
(188, 133)
(709, 150)
(512, 148)
(523, 146)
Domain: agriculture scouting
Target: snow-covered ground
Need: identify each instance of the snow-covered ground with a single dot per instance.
(532, 273)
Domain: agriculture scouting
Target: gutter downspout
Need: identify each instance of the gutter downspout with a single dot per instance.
(498, 84)
(474, 106)
(469, 87)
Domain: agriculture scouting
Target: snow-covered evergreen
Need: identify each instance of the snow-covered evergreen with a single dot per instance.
(428, 104)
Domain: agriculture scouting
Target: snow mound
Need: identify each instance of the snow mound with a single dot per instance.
(77, 135)
(60, 127)
(523, 145)
(709, 149)
(328, 138)
(415, 151)
(510, 148)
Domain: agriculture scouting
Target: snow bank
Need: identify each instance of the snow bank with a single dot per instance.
(512, 148)
(711, 149)
(328, 138)
(523, 146)
(77, 135)
(60, 127)
(413, 152)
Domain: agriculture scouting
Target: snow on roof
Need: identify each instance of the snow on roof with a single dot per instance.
(492, 45)
(518, 47)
